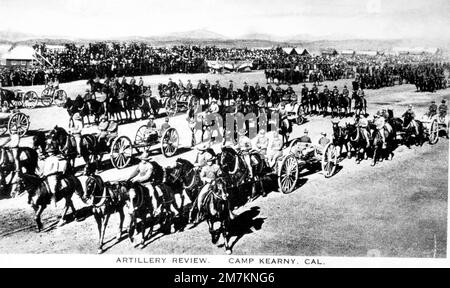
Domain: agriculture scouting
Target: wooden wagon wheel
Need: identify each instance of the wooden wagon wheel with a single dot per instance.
(140, 140)
(170, 142)
(329, 160)
(433, 136)
(30, 100)
(121, 152)
(47, 97)
(19, 123)
(171, 107)
(288, 174)
(60, 98)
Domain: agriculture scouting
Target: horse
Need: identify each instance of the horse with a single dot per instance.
(323, 103)
(216, 209)
(40, 196)
(341, 138)
(186, 176)
(414, 131)
(106, 200)
(28, 159)
(333, 103)
(8, 97)
(66, 145)
(285, 129)
(360, 140)
(344, 104)
(74, 106)
(234, 167)
(93, 108)
(314, 102)
(378, 151)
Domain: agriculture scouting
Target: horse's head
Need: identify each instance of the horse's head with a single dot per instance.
(221, 188)
(57, 137)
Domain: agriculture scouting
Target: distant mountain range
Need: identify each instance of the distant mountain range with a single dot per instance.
(206, 37)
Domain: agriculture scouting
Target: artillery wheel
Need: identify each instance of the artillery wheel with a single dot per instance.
(121, 152)
(329, 160)
(60, 98)
(170, 142)
(46, 97)
(171, 107)
(30, 100)
(140, 139)
(288, 174)
(433, 136)
(19, 123)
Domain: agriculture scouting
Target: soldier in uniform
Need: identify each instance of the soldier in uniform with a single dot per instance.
(246, 88)
(345, 91)
(326, 91)
(323, 142)
(218, 87)
(443, 109)
(165, 126)
(199, 85)
(305, 91)
(432, 110)
(379, 122)
(189, 87)
(51, 171)
(335, 91)
(208, 175)
(262, 143)
(360, 92)
(315, 89)
(76, 128)
(244, 147)
(276, 150)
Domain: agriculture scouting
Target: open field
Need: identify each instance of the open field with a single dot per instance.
(396, 209)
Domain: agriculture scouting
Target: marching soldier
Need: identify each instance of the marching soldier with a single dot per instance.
(443, 109)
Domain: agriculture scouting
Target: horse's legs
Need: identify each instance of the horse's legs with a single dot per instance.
(65, 209)
(119, 232)
(98, 220)
(143, 226)
(131, 227)
(38, 212)
(104, 225)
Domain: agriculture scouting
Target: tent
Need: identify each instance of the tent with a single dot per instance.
(302, 51)
(290, 51)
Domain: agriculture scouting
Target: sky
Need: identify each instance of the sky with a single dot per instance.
(349, 19)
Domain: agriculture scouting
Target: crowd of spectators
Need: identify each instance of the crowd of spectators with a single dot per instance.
(104, 59)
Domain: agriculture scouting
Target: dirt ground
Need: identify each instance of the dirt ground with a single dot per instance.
(396, 209)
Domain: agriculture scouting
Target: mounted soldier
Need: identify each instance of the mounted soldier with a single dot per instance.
(345, 91)
(189, 87)
(443, 109)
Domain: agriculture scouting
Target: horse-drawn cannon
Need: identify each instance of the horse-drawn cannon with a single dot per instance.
(15, 122)
(290, 166)
(169, 140)
(432, 127)
(52, 95)
(179, 102)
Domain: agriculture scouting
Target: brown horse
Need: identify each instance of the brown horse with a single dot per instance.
(106, 199)
(216, 210)
(40, 196)
(28, 160)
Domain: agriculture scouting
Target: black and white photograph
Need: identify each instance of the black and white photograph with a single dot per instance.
(298, 131)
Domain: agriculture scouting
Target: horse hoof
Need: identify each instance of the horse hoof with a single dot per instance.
(99, 251)
(229, 252)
